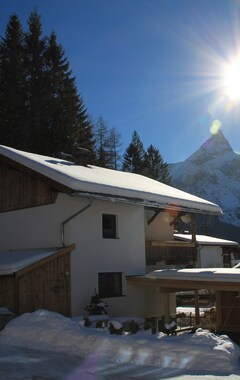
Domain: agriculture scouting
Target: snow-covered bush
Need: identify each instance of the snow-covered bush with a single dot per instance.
(96, 306)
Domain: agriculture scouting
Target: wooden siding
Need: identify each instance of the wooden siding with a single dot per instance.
(46, 287)
(8, 293)
(172, 253)
(43, 285)
(228, 311)
(19, 190)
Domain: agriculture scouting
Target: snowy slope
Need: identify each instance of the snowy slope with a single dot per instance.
(213, 173)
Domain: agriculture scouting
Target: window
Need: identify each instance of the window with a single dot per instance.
(110, 284)
(109, 226)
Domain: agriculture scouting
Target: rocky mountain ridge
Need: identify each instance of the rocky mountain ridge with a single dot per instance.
(213, 173)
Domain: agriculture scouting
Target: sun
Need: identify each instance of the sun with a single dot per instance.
(232, 80)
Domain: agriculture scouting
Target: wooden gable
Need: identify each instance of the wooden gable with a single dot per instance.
(19, 189)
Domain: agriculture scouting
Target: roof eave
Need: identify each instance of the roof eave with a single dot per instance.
(147, 203)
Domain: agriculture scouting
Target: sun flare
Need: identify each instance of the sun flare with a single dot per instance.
(232, 80)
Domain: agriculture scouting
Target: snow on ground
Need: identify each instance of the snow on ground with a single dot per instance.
(47, 345)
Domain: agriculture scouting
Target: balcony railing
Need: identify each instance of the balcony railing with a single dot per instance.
(172, 252)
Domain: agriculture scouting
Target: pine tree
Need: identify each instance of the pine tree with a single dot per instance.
(115, 146)
(12, 90)
(103, 157)
(155, 167)
(84, 139)
(69, 125)
(34, 63)
(133, 159)
(108, 145)
(54, 127)
(40, 108)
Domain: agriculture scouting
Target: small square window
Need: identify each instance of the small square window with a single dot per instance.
(110, 284)
(109, 226)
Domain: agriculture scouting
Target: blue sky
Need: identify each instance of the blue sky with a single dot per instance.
(154, 66)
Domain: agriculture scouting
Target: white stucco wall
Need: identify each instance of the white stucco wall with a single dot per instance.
(160, 304)
(41, 227)
(159, 228)
(210, 257)
(95, 254)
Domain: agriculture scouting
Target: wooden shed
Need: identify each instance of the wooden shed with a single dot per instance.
(224, 281)
(36, 279)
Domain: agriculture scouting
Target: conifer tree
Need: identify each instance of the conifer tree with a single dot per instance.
(40, 108)
(67, 124)
(35, 45)
(155, 167)
(115, 146)
(12, 90)
(108, 145)
(84, 139)
(103, 157)
(59, 118)
(133, 159)
(54, 127)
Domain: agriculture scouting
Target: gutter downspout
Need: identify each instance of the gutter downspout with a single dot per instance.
(72, 217)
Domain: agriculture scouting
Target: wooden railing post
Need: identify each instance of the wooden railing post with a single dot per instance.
(197, 313)
(193, 224)
(194, 239)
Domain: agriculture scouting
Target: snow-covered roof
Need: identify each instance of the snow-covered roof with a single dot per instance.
(115, 185)
(206, 240)
(197, 274)
(13, 261)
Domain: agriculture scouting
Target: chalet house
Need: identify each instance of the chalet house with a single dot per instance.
(212, 252)
(109, 226)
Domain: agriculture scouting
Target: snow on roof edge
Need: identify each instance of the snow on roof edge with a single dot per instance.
(199, 274)
(206, 240)
(173, 205)
(118, 185)
(16, 260)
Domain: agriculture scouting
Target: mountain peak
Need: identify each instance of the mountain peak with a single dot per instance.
(214, 147)
(213, 173)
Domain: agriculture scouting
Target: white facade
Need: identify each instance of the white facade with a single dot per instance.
(42, 227)
(210, 257)
(159, 228)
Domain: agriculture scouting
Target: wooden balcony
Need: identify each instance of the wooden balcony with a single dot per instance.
(172, 252)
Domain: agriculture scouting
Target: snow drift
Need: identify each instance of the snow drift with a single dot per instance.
(44, 330)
